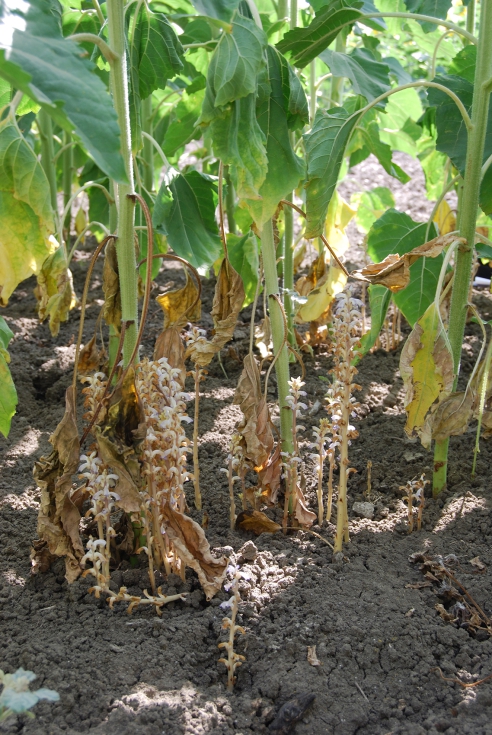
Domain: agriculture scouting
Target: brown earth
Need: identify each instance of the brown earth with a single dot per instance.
(378, 640)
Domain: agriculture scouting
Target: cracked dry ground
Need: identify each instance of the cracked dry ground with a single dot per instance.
(378, 639)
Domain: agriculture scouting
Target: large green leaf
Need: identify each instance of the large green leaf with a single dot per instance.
(379, 301)
(305, 44)
(243, 254)
(8, 394)
(398, 122)
(157, 49)
(369, 77)
(370, 142)
(371, 205)
(221, 9)
(184, 125)
(435, 8)
(236, 61)
(298, 109)
(285, 169)
(463, 64)
(51, 70)
(396, 232)
(184, 211)
(325, 150)
(26, 217)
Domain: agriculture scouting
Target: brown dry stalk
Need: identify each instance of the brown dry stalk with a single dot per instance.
(463, 684)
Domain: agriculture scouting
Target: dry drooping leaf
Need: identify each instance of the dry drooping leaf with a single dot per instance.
(125, 418)
(321, 297)
(54, 291)
(256, 424)
(228, 301)
(193, 548)
(257, 522)
(263, 337)
(41, 557)
(394, 271)
(90, 357)
(426, 367)
(312, 657)
(305, 284)
(181, 306)
(170, 345)
(58, 518)
(125, 487)
(269, 477)
(302, 513)
(111, 287)
(452, 415)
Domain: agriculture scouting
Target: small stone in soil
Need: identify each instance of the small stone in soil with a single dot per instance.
(364, 510)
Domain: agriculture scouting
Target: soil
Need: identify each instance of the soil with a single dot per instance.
(377, 633)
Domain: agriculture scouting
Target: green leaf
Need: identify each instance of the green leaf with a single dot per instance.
(51, 70)
(463, 64)
(396, 232)
(396, 130)
(243, 255)
(8, 394)
(285, 169)
(184, 211)
(369, 77)
(236, 61)
(484, 251)
(222, 9)
(305, 44)
(298, 110)
(371, 205)
(379, 301)
(433, 163)
(239, 142)
(26, 217)
(325, 150)
(451, 130)
(183, 127)
(157, 49)
(369, 134)
(435, 8)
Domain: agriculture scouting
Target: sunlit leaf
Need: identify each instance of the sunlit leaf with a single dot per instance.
(183, 127)
(54, 291)
(8, 393)
(243, 254)
(379, 301)
(26, 217)
(371, 205)
(434, 8)
(368, 76)
(221, 9)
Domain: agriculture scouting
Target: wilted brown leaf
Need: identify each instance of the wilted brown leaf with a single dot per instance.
(128, 495)
(125, 417)
(228, 301)
(193, 548)
(269, 476)
(54, 291)
(312, 657)
(447, 617)
(58, 518)
(41, 557)
(452, 415)
(256, 424)
(180, 306)
(394, 271)
(170, 345)
(90, 357)
(302, 513)
(257, 522)
(305, 284)
(111, 287)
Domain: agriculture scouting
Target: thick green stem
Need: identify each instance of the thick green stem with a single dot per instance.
(336, 93)
(147, 153)
(468, 215)
(293, 13)
(282, 9)
(470, 17)
(125, 244)
(47, 154)
(289, 269)
(277, 326)
(67, 177)
(230, 201)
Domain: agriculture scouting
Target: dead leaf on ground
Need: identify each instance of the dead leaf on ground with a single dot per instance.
(194, 550)
(58, 518)
(394, 271)
(256, 424)
(54, 291)
(257, 522)
(228, 302)
(312, 657)
(111, 287)
(181, 306)
(90, 357)
(476, 562)
(170, 345)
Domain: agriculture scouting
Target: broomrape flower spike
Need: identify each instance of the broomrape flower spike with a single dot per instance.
(341, 405)
(17, 698)
(233, 659)
(195, 337)
(292, 460)
(415, 498)
(321, 437)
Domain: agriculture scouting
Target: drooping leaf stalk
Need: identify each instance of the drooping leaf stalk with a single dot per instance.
(125, 244)
(468, 216)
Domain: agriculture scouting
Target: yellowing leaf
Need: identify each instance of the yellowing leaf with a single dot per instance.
(452, 415)
(321, 297)
(26, 217)
(54, 291)
(170, 345)
(340, 213)
(426, 367)
(445, 218)
(181, 305)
